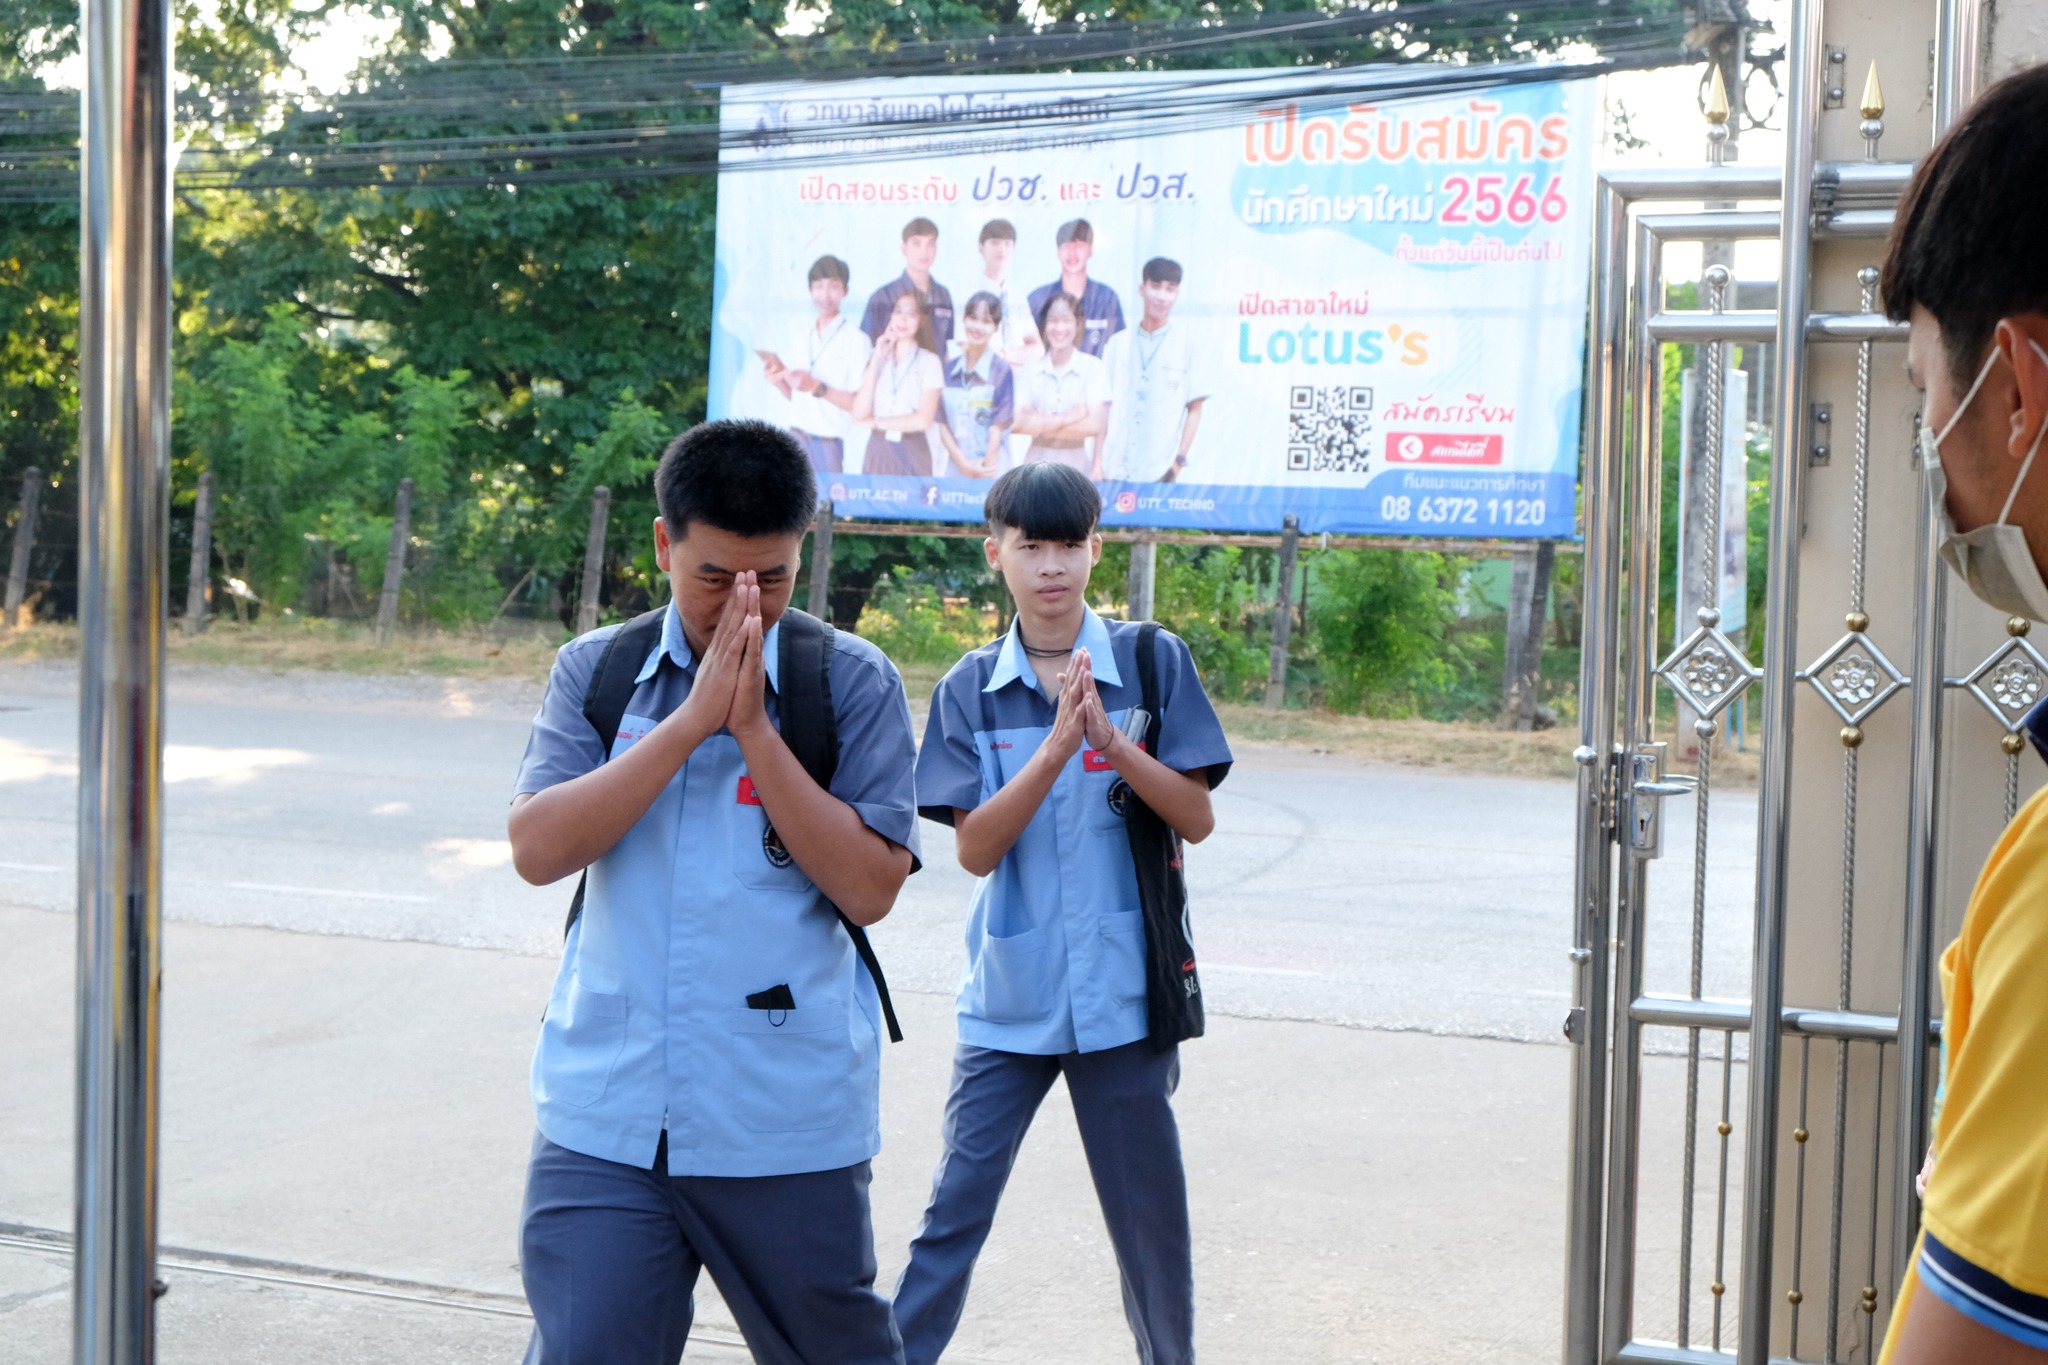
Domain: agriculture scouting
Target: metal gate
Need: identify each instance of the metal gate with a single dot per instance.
(1741, 1182)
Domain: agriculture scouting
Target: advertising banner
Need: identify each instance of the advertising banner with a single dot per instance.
(1370, 316)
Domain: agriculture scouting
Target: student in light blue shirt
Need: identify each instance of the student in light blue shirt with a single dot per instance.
(1025, 755)
(707, 1079)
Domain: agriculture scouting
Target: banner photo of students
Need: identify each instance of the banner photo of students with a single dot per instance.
(1369, 316)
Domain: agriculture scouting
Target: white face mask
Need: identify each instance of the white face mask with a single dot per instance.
(1994, 560)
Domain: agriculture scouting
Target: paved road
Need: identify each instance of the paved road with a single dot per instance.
(353, 975)
(1332, 892)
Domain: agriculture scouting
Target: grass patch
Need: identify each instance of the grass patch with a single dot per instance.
(520, 652)
(1462, 746)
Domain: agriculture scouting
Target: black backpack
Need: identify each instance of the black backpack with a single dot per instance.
(809, 726)
(1173, 992)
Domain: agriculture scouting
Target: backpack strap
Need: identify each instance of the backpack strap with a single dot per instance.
(810, 727)
(1148, 683)
(609, 694)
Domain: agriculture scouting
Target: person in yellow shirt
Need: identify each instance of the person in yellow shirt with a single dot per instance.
(1967, 272)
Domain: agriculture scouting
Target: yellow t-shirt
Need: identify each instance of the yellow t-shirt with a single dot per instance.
(1984, 1227)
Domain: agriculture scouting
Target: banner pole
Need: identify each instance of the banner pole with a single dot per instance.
(1283, 615)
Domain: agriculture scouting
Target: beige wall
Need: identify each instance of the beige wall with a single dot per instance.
(1897, 36)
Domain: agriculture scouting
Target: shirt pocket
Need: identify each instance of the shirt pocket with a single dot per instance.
(1010, 979)
(582, 1036)
(793, 1070)
(1123, 956)
(760, 859)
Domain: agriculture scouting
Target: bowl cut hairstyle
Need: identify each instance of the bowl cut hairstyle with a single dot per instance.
(920, 227)
(998, 230)
(1045, 500)
(1967, 242)
(829, 268)
(741, 476)
(1159, 270)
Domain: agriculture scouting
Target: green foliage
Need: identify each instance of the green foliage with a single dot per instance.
(1207, 595)
(1382, 626)
(914, 624)
(511, 346)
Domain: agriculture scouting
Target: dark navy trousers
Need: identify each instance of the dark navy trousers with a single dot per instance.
(610, 1255)
(1123, 1105)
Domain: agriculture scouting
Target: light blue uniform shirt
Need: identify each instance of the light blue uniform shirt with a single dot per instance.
(694, 910)
(1056, 936)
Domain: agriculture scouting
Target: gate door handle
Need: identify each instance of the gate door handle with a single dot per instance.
(1648, 786)
(1669, 786)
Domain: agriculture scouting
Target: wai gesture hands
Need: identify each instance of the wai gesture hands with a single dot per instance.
(731, 676)
(1080, 716)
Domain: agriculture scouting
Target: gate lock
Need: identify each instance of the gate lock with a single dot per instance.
(1647, 787)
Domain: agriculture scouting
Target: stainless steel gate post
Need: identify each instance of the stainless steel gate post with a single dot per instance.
(1587, 1025)
(1781, 680)
(124, 442)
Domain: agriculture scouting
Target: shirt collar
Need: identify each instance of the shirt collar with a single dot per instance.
(1012, 663)
(677, 647)
(956, 354)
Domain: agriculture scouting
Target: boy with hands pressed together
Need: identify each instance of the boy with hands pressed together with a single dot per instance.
(707, 1082)
(1033, 754)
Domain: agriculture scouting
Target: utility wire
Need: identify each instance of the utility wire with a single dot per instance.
(502, 121)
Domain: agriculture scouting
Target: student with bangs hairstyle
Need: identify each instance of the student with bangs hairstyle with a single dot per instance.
(979, 400)
(1033, 752)
(707, 1084)
(1062, 399)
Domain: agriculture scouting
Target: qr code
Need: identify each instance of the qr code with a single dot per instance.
(1329, 430)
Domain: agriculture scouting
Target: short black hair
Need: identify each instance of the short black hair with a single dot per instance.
(1966, 242)
(829, 268)
(983, 299)
(998, 229)
(920, 227)
(742, 476)
(1045, 500)
(1161, 271)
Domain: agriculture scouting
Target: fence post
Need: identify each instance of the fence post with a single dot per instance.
(593, 559)
(1138, 592)
(394, 563)
(1283, 614)
(821, 564)
(1532, 642)
(24, 542)
(1523, 647)
(201, 570)
(1513, 635)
